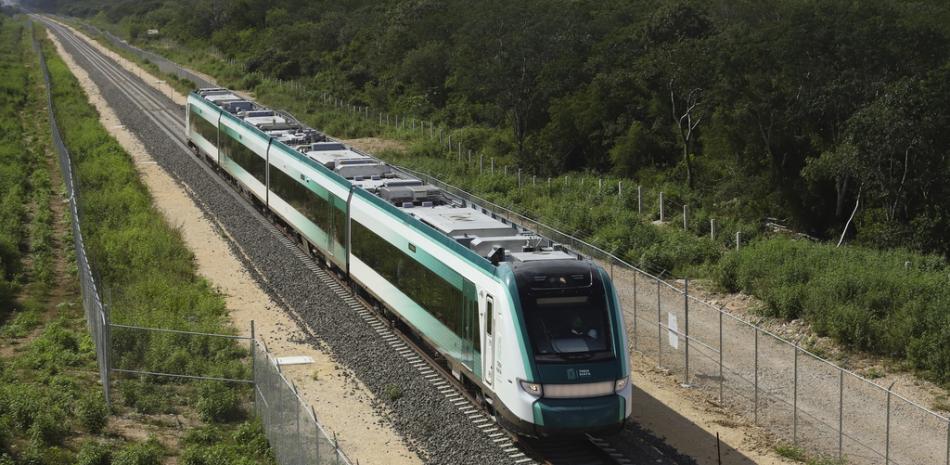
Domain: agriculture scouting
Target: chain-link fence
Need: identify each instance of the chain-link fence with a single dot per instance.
(290, 424)
(92, 304)
(292, 427)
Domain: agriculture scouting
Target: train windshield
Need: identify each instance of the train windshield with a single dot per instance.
(568, 327)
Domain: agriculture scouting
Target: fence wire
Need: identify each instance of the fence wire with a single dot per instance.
(295, 435)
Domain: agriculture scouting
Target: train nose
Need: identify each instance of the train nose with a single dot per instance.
(567, 416)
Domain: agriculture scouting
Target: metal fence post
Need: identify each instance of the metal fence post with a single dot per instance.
(840, 411)
(659, 328)
(686, 324)
(721, 374)
(619, 188)
(795, 400)
(737, 240)
(253, 362)
(279, 408)
(685, 217)
(712, 229)
(492, 165)
(107, 352)
(661, 207)
(636, 335)
(887, 429)
(298, 441)
(755, 385)
(316, 439)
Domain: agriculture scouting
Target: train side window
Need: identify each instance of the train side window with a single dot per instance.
(489, 312)
(434, 293)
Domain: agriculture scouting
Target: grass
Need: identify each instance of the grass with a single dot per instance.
(15, 164)
(392, 392)
(942, 403)
(51, 406)
(798, 454)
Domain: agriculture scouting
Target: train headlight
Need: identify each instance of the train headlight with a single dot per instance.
(533, 389)
(621, 383)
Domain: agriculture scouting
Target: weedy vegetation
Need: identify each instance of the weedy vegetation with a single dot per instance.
(51, 405)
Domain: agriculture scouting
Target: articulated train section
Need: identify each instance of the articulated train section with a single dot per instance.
(510, 332)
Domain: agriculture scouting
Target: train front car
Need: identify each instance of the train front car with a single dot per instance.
(576, 345)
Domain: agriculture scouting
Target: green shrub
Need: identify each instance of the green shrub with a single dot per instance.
(43, 454)
(248, 445)
(218, 402)
(149, 452)
(250, 435)
(392, 392)
(887, 302)
(791, 452)
(48, 428)
(92, 412)
(94, 453)
(203, 435)
(144, 397)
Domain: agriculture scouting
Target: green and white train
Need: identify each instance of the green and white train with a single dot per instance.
(532, 329)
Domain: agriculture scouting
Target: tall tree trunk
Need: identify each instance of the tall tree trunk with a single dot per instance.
(857, 202)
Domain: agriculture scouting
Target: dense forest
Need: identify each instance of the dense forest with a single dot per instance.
(805, 111)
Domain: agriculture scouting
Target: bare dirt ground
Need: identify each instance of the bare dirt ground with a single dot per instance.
(697, 421)
(342, 403)
(376, 144)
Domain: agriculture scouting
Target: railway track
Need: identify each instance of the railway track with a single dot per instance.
(167, 117)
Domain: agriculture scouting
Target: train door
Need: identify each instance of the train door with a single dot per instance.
(471, 335)
(336, 240)
(488, 346)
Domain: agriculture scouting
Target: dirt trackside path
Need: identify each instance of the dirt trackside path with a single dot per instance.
(342, 403)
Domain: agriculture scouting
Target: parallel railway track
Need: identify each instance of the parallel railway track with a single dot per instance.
(167, 117)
